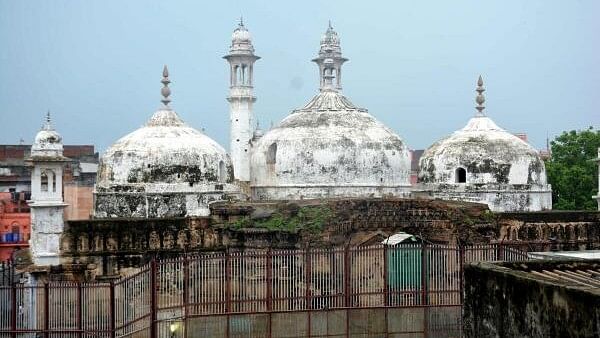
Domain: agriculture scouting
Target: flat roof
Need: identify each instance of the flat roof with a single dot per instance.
(553, 255)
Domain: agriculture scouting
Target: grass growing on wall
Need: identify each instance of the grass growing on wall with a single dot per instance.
(312, 218)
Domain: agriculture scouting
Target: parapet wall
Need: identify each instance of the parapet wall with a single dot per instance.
(508, 300)
(115, 244)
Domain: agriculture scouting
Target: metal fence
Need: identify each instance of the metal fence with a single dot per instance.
(250, 293)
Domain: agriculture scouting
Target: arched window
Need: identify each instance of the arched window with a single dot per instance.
(53, 177)
(272, 154)
(44, 181)
(239, 75)
(244, 74)
(461, 175)
(222, 172)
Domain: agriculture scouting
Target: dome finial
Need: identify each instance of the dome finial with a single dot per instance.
(241, 24)
(165, 91)
(48, 122)
(330, 27)
(480, 99)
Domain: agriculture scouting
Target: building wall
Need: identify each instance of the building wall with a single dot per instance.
(320, 191)
(14, 224)
(498, 197)
(79, 175)
(80, 201)
(116, 244)
(503, 300)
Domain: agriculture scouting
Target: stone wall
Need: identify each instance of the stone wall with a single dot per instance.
(114, 245)
(507, 300)
(565, 230)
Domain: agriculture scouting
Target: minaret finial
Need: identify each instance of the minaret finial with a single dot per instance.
(480, 99)
(165, 91)
(330, 25)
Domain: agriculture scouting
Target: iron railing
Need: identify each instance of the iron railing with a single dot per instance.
(228, 286)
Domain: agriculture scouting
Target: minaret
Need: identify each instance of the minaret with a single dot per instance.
(330, 61)
(46, 202)
(480, 99)
(597, 197)
(241, 98)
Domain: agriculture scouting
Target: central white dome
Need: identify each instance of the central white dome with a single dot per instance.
(329, 148)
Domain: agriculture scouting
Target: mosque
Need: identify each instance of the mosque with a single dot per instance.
(327, 149)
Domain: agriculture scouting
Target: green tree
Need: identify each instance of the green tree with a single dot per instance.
(572, 170)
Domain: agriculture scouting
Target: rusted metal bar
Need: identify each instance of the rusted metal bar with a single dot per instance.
(461, 266)
(79, 311)
(153, 299)
(423, 273)
(186, 281)
(269, 295)
(227, 290)
(113, 318)
(347, 276)
(46, 310)
(307, 283)
(347, 287)
(386, 282)
(269, 263)
(13, 308)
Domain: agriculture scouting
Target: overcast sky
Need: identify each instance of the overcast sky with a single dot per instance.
(414, 64)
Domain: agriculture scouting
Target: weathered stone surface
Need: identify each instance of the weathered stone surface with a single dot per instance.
(329, 148)
(507, 300)
(123, 243)
(164, 169)
(501, 170)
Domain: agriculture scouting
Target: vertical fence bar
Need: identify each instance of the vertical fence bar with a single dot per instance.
(79, 311)
(46, 310)
(13, 310)
(347, 287)
(269, 304)
(227, 290)
(424, 281)
(347, 276)
(186, 282)
(269, 295)
(113, 317)
(386, 284)
(461, 267)
(307, 283)
(424, 273)
(153, 300)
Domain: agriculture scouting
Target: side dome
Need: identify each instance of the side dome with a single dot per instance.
(163, 169)
(486, 153)
(165, 150)
(329, 148)
(484, 163)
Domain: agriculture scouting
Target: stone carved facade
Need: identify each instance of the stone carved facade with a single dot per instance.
(115, 246)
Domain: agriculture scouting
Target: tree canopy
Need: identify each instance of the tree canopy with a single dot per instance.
(573, 171)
